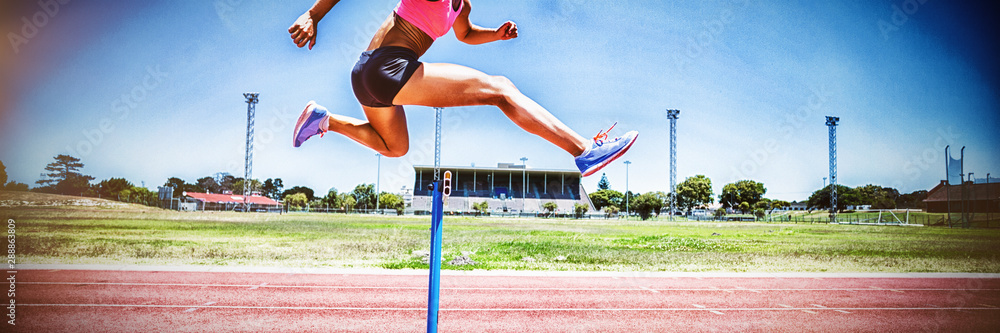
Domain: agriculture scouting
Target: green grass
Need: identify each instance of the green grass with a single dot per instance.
(155, 237)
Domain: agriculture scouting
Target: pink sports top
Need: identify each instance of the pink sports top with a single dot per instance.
(434, 18)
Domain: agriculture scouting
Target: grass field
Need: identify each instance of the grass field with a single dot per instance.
(100, 234)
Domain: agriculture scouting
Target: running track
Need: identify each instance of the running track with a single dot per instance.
(74, 300)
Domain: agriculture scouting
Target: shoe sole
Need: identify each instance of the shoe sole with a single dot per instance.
(594, 170)
(302, 119)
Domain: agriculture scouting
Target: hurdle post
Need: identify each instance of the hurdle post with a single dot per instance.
(434, 289)
(437, 214)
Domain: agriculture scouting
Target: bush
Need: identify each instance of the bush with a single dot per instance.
(550, 207)
(611, 210)
(481, 208)
(580, 210)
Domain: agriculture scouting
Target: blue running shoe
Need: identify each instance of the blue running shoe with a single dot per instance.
(315, 119)
(603, 152)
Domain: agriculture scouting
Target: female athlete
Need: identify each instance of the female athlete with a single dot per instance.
(389, 75)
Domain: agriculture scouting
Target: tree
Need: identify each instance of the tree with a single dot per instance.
(349, 203)
(64, 176)
(603, 198)
(308, 192)
(846, 196)
(342, 201)
(144, 196)
(209, 184)
(744, 207)
(778, 204)
(226, 182)
(604, 184)
(580, 210)
(910, 200)
(3, 174)
(550, 207)
(272, 188)
(764, 204)
(15, 186)
(115, 188)
(481, 208)
(365, 195)
(391, 201)
(877, 196)
(758, 213)
(693, 192)
(611, 210)
(180, 186)
(296, 200)
(254, 187)
(645, 204)
(719, 213)
(332, 198)
(741, 191)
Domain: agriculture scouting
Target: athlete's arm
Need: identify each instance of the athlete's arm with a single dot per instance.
(303, 31)
(470, 33)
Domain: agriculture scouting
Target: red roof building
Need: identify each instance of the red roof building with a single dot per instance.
(213, 201)
(979, 198)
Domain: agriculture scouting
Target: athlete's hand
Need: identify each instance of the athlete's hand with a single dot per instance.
(507, 31)
(303, 31)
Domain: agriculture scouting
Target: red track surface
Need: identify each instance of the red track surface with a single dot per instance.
(140, 301)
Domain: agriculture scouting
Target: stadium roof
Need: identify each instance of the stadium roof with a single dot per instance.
(499, 167)
(230, 198)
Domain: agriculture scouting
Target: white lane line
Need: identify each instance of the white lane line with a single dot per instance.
(719, 289)
(196, 308)
(698, 306)
(818, 306)
(649, 289)
(785, 306)
(750, 290)
(258, 286)
(716, 312)
(809, 311)
(476, 288)
(484, 309)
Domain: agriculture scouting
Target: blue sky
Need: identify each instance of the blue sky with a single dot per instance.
(153, 90)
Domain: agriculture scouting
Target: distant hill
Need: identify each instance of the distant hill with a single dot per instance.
(15, 199)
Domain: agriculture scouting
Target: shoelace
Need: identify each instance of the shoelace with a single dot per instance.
(602, 136)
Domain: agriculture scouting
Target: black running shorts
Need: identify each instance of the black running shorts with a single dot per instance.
(381, 73)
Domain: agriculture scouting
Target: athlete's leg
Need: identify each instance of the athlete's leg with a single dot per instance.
(448, 85)
(385, 130)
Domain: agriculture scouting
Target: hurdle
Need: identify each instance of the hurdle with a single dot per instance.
(440, 190)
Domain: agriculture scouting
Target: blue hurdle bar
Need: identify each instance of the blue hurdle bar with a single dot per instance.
(433, 292)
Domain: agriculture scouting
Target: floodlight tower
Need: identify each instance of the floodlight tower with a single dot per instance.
(248, 166)
(831, 122)
(672, 115)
